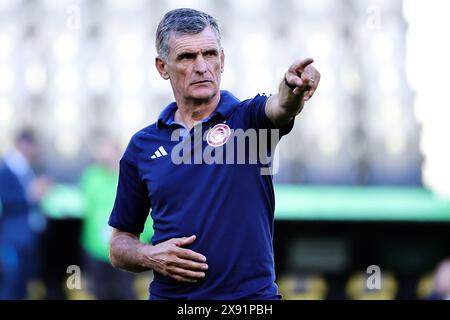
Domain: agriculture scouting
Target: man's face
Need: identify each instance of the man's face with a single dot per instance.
(28, 149)
(194, 65)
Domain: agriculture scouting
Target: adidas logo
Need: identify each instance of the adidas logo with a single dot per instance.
(161, 152)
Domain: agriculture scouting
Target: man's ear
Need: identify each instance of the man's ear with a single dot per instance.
(222, 59)
(161, 67)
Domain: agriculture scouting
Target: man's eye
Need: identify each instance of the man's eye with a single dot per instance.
(210, 53)
(186, 56)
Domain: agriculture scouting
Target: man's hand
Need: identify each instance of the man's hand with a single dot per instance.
(299, 84)
(303, 77)
(170, 259)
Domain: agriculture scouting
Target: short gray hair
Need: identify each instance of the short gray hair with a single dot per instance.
(182, 21)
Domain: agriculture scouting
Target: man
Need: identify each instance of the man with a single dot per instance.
(213, 223)
(21, 223)
(98, 185)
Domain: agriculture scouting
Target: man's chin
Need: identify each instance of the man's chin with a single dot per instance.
(203, 94)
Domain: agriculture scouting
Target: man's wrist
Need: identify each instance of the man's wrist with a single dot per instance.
(145, 255)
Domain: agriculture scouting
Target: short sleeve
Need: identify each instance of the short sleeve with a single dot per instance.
(255, 112)
(132, 204)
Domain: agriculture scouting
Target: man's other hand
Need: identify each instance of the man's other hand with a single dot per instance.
(170, 259)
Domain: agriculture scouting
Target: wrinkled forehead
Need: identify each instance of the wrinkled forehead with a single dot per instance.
(193, 42)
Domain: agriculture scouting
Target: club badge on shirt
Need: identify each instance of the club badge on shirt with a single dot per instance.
(218, 135)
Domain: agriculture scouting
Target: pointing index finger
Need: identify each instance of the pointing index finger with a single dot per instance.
(300, 66)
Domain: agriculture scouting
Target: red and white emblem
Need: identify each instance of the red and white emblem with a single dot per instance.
(218, 135)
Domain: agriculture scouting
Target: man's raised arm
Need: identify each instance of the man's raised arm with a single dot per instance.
(298, 85)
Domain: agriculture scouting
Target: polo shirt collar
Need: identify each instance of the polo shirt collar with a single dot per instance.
(227, 104)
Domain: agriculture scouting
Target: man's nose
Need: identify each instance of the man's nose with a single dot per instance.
(200, 65)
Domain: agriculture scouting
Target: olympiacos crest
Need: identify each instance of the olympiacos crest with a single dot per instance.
(218, 135)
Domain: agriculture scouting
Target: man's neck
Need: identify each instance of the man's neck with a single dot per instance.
(191, 112)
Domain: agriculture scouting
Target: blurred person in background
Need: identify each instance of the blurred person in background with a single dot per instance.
(441, 282)
(98, 184)
(213, 224)
(21, 222)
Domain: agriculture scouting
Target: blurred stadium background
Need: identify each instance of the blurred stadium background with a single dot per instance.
(364, 177)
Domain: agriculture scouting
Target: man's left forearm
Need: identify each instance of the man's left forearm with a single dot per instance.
(282, 107)
(291, 103)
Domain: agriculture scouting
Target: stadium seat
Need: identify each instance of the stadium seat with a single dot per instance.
(303, 287)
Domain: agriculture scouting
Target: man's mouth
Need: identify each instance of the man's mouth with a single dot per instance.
(201, 82)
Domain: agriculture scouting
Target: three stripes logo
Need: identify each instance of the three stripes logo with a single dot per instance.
(161, 152)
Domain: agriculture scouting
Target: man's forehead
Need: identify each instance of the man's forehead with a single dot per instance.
(204, 40)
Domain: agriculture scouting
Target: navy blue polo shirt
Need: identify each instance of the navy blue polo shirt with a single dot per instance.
(229, 207)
